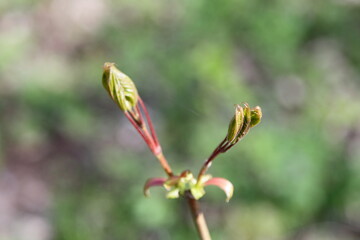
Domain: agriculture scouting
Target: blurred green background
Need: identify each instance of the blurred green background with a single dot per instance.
(72, 167)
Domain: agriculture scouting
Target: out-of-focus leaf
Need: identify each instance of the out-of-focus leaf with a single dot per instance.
(153, 182)
(172, 181)
(175, 193)
(222, 183)
(197, 191)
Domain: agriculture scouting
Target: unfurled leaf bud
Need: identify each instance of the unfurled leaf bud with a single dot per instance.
(236, 123)
(256, 115)
(120, 87)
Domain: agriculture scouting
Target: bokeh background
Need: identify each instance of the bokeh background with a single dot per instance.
(72, 167)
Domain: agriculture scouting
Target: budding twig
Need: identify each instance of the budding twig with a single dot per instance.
(124, 93)
(244, 119)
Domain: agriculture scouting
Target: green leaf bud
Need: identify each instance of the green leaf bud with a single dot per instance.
(120, 87)
(247, 116)
(236, 123)
(246, 123)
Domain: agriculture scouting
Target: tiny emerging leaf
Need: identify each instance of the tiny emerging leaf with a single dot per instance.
(222, 183)
(256, 115)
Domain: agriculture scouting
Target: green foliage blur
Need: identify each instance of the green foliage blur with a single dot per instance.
(73, 168)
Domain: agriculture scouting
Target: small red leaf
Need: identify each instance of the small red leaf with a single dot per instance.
(153, 182)
(222, 183)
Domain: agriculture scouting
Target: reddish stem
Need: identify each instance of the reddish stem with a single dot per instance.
(141, 119)
(147, 115)
(140, 130)
(219, 149)
(156, 148)
(227, 147)
(164, 164)
(149, 139)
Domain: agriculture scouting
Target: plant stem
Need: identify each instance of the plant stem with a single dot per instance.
(164, 164)
(140, 130)
(198, 217)
(147, 115)
(217, 151)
